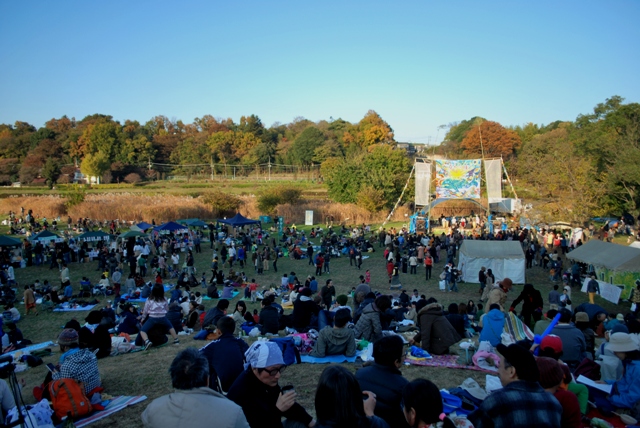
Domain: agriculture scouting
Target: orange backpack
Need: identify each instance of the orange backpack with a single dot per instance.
(68, 398)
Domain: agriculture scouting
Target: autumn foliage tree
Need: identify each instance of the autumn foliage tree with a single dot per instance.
(491, 139)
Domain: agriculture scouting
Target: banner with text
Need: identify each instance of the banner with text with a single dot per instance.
(608, 291)
(458, 179)
(423, 183)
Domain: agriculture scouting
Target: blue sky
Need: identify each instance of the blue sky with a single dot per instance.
(418, 64)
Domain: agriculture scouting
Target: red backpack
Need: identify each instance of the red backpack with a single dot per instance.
(68, 398)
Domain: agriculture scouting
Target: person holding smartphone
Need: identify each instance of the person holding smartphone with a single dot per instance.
(257, 391)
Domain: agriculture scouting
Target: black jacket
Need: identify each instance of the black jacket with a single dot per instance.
(386, 383)
(269, 320)
(212, 317)
(303, 310)
(258, 401)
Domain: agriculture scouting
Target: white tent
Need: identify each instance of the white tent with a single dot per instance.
(504, 258)
(635, 244)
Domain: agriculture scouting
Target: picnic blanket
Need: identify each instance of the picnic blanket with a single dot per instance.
(516, 328)
(79, 308)
(28, 349)
(115, 405)
(447, 361)
(333, 359)
(233, 296)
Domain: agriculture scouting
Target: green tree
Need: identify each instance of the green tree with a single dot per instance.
(303, 148)
(95, 164)
(136, 151)
(51, 172)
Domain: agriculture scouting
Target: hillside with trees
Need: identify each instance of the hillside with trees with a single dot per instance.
(573, 170)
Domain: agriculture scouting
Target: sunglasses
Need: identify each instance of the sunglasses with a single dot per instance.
(273, 372)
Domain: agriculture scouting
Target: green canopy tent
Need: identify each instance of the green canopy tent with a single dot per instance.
(46, 236)
(130, 234)
(6, 241)
(94, 236)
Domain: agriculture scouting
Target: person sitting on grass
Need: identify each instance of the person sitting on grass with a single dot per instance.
(78, 364)
(436, 332)
(257, 391)
(340, 402)
(225, 356)
(422, 407)
(336, 340)
(214, 314)
(155, 312)
(129, 320)
(192, 403)
(384, 379)
(269, 316)
(369, 326)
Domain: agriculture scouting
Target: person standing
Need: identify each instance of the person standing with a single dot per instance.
(592, 288)
(482, 277)
(29, 300)
(428, 264)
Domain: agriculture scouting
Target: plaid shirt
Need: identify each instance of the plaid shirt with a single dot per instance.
(520, 404)
(81, 366)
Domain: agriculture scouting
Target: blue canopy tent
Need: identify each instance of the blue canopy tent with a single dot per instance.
(169, 227)
(196, 223)
(144, 226)
(238, 220)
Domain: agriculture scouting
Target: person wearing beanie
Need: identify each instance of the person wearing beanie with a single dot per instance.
(582, 323)
(257, 391)
(551, 378)
(521, 403)
(78, 364)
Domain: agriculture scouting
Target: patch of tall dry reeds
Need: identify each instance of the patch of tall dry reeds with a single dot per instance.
(164, 207)
(42, 206)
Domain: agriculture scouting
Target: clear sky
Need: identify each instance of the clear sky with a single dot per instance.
(419, 64)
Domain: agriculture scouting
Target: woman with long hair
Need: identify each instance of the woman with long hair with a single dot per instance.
(155, 312)
(422, 406)
(340, 403)
(240, 315)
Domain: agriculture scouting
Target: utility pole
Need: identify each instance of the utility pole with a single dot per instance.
(269, 166)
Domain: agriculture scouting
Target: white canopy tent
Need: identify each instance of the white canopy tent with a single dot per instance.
(504, 258)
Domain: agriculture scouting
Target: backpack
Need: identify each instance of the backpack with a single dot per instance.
(68, 398)
(290, 353)
(588, 368)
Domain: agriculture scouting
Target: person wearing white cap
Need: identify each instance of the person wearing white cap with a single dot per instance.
(256, 390)
(626, 391)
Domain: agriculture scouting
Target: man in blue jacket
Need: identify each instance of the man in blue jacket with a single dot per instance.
(225, 356)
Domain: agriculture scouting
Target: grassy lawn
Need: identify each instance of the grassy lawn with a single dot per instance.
(146, 372)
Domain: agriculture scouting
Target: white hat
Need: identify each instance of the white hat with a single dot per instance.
(621, 342)
(263, 354)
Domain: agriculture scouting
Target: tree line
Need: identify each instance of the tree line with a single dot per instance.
(574, 169)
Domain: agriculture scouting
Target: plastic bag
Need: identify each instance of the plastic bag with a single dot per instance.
(442, 284)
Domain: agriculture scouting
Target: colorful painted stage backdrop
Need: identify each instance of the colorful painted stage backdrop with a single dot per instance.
(457, 179)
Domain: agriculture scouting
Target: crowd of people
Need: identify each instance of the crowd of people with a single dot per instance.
(240, 383)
